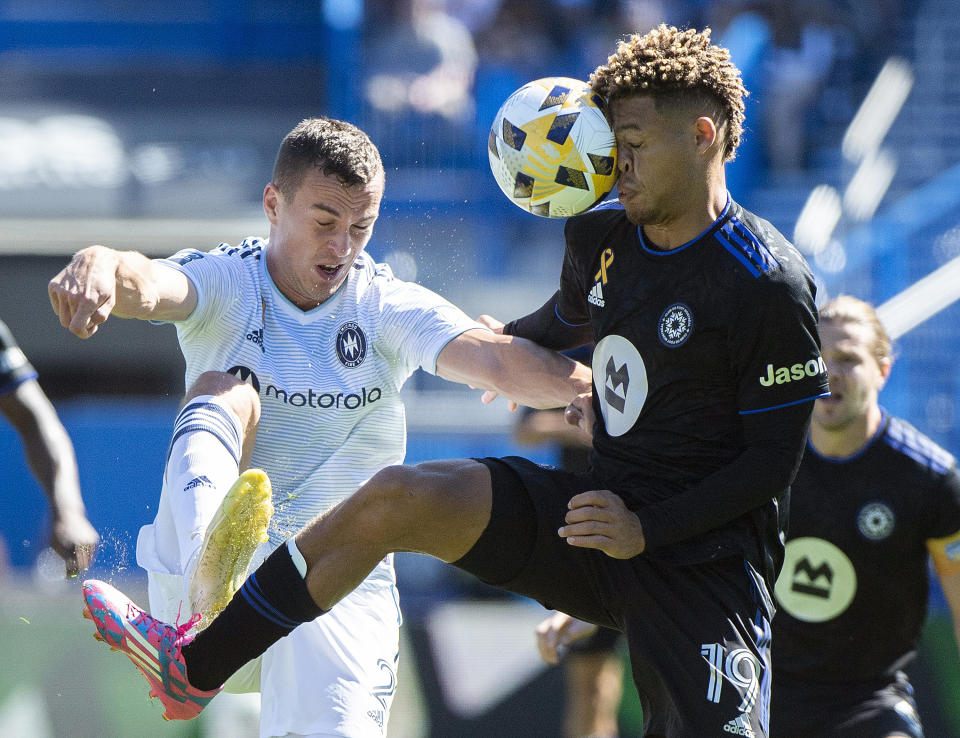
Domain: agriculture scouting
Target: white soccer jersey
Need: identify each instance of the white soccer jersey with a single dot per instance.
(329, 379)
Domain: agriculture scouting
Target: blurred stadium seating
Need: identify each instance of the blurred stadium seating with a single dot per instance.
(154, 126)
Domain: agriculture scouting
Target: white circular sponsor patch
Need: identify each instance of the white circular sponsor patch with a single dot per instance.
(620, 381)
(818, 581)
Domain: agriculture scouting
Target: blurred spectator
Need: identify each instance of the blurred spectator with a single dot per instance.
(796, 45)
(803, 51)
(49, 453)
(420, 58)
(524, 38)
(877, 27)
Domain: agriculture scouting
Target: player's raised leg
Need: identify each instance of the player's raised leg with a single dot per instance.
(439, 508)
(212, 440)
(196, 552)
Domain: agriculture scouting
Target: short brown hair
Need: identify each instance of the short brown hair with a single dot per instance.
(848, 309)
(332, 146)
(683, 66)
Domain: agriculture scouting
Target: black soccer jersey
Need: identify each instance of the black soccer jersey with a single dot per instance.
(689, 342)
(853, 590)
(14, 367)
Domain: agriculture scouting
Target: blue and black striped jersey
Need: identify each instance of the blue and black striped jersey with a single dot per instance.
(15, 369)
(690, 344)
(853, 592)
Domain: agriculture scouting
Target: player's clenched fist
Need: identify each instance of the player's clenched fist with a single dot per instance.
(100, 281)
(84, 293)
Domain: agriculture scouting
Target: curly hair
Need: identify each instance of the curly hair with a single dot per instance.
(677, 66)
(332, 146)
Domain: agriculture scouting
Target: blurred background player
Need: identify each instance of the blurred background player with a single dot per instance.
(49, 453)
(592, 673)
(873, 500)
(303, 343)
(592, 667)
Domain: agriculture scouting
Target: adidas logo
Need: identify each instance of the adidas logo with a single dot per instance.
(377, 717)
(739, 726)
(199, 482)
(256, 336)
(596, 296)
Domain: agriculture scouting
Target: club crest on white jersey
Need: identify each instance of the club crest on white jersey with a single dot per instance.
(351, 345)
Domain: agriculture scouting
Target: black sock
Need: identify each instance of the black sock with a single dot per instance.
(271, 603)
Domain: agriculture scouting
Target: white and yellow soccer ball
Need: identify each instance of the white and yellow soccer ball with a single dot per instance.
(551, 148)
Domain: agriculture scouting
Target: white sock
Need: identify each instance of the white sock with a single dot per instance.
(298, 560)
(202, 464)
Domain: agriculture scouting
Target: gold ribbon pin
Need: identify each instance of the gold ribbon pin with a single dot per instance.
(606, 259)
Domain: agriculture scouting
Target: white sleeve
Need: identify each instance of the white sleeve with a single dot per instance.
(417, 323)
(215, 275)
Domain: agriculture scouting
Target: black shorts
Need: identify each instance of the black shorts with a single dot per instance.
(603, 641)
(698, 635)
(803, 708)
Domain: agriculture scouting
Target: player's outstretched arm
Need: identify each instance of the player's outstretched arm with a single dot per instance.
(50, 455)
(100, 281)
(514, 367)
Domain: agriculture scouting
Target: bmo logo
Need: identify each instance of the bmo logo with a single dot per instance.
(620, 383)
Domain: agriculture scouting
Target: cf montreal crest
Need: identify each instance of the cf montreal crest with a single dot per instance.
(351, 345)
(675, 325)
(875, 521)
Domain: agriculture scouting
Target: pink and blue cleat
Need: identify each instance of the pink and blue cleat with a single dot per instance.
(153, 647)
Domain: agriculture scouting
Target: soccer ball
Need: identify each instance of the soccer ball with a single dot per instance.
(551, 148)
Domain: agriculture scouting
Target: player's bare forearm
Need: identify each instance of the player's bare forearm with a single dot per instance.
(99, 282)
(514, 367)
(51, 458)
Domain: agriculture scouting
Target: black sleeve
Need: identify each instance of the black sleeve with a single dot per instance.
(776, 347)
(765, 469)
(944, 506)
(14, 366)
(545, 327)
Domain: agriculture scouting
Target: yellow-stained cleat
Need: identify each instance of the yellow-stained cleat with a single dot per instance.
(238, 527)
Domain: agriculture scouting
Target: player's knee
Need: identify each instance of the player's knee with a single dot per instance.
(399, 494)
(239, 396)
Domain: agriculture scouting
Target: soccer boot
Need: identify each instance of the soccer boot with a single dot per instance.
(238, 527)
(153, 646)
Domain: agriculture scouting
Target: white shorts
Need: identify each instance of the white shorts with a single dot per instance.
(334, 676)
